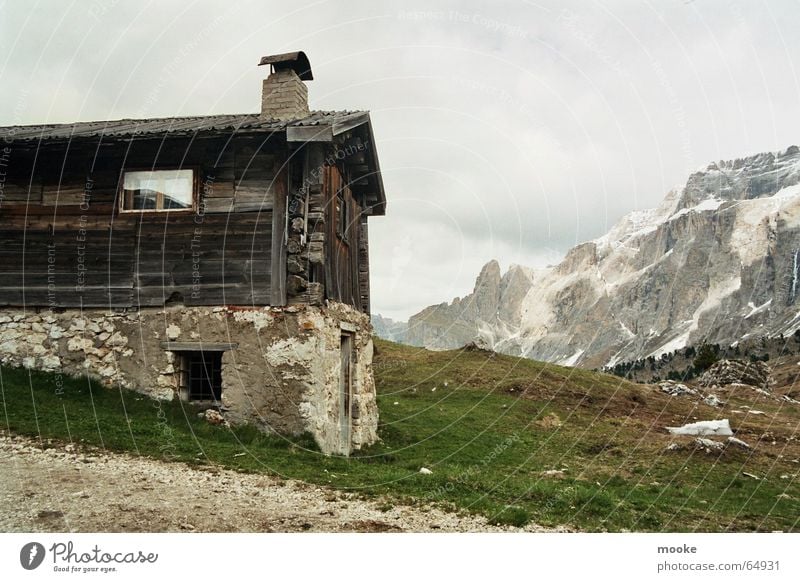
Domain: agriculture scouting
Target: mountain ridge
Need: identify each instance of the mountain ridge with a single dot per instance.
(716, 261)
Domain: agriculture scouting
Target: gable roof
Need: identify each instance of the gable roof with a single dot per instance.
(317, 126)
(247, 122)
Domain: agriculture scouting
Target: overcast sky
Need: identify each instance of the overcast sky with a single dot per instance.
(509, 130)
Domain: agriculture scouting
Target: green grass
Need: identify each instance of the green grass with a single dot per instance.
(487, 435)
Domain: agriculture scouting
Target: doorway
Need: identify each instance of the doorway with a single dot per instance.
(346, 392)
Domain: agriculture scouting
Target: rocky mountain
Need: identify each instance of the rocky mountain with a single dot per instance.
(717, 261)
(387, 328)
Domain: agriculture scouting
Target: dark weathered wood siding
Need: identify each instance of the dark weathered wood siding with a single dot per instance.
(363, 264)
(342, 241)
(65, 243)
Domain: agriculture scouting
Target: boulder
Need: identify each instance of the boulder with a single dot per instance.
(554, 473)
(477, 345)
(708, 445)
(214, 417)
(713, 400)
(738, 443)
(724, 372)
(675, 388)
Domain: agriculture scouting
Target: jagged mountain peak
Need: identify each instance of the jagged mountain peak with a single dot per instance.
(756, 163)
(490, 274)
(714, 261)
(714, 188)
(756, 176)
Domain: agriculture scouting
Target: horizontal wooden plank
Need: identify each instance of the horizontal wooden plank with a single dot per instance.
(259, 165)
(258, 197)
(63, 196)
(230, 295)
(309, 133)
(72, 280)
(100, 296)
(218, 189)
(29, 194)
(219, 172)
(218, 205)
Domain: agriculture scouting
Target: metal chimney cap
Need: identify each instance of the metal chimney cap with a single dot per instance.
(297, 61)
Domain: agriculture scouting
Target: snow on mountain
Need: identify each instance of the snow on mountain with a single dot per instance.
(717, 259)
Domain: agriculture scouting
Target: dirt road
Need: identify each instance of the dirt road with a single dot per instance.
(63, 489)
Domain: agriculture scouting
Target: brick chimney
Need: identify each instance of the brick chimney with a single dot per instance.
(284, 95)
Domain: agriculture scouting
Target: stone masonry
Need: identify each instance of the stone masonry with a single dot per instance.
(283, 374)
(284, 96)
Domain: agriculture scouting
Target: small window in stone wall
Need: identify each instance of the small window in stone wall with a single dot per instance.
(201, 375)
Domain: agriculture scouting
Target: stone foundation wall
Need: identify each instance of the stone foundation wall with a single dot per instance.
(283, 376)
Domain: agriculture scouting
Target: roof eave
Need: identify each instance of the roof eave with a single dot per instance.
(379, 208)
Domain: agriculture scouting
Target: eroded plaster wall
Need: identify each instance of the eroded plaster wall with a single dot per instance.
(283, 375)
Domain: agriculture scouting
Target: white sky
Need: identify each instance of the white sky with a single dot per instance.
(506, 129)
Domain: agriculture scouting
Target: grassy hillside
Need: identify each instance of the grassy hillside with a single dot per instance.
(513, 439)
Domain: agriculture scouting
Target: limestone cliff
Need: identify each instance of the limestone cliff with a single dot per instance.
(387, 328)
(716, 261)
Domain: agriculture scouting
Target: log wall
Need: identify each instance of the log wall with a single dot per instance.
(65, 243)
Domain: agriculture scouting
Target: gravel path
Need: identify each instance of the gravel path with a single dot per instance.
(64, 489)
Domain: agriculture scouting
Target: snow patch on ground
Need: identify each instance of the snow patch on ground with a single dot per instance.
(626, 331)
(572, 360)
(756, 310)
(705, 206)
(718, 427)
(675, 343)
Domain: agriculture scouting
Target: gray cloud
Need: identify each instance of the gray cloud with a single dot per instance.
(507, 130)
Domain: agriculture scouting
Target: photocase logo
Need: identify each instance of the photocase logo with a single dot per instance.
(31, 555)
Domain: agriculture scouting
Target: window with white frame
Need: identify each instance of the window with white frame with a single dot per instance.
(157, 190)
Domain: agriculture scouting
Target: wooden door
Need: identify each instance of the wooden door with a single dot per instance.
(346, 392)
